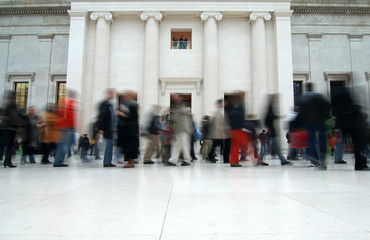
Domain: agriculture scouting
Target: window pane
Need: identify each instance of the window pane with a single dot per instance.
(61, 92)
(181, 39)
(21, 91)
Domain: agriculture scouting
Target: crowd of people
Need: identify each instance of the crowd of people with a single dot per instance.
(171, 134)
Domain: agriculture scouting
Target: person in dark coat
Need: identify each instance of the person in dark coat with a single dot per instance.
(269, 122)
(314, 111)
(107, 125)
(128, 136)
(12, 121)
(351, 121)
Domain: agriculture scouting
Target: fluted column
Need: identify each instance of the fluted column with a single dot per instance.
(102, 53)
(210, 74)
(151, 60)
(259, 62)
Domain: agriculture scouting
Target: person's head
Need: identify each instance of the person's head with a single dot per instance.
(309, 86)
(10, 96)
(32, 110)
(111, 93)
(130, 95)
(176, 98)
(220, 103)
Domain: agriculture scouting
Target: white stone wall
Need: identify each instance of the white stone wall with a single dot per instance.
(35, 44)
(330, 43)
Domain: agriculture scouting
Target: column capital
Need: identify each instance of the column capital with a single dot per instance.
(106, 15)
(205, 15)
(255, 15)
(77, 14)
(156, 15)
(355, 37)
(45, 37)
(314, 36)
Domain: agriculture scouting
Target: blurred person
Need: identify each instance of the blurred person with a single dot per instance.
(334, 137)
(338, 150)
(263, 142)
(351, 121)
(269, 122)
(85, 147)
(1, 134)
(128, 135)
(152, 138)
(315, 110)
(206, 140)
(219, 131)
(107, 125)
(250, 126)
(67, 125)
(197, 135)
(80, 139)
(31, 139)
(95, 137)
(239, 138)
(182, 130)
(166, 137)
(13, 119)
(49, 133)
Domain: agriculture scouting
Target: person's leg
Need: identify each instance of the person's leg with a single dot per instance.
(108, 153)
(186, 139)
(275, 144)
(312, 151)
(61, 148)
(322, 143)
(9, 141)
(175, 150)
(149, 148)
(236, 139)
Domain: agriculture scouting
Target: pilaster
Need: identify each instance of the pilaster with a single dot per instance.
(41, 92)
(151, 61)
(76, 53)
(4, 52)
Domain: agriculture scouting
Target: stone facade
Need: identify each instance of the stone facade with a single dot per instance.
(254, 46)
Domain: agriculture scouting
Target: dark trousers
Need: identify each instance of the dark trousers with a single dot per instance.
(312, 151)
(9, 137)
(46, 150)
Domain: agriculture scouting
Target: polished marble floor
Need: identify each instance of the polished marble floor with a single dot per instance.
(200, 202)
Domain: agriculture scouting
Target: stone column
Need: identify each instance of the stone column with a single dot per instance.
(210, 67)
(259, 62)
(4, 52)
(41, 93)
(102, 55)
(76, 52)
(360, 84)
(151, 61)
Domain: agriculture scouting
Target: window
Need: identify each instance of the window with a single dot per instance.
(181, 39)
(21, 95)
(298, 91)
(61, 93)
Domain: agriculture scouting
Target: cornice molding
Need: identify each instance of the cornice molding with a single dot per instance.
(106, 15)
(314, 36)
(304, 76)
(34, 11)
(255, 15)
(30, 75)
(55, 76)
(332, 10)
(335, 75)
(216, 15)
(146, 15)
